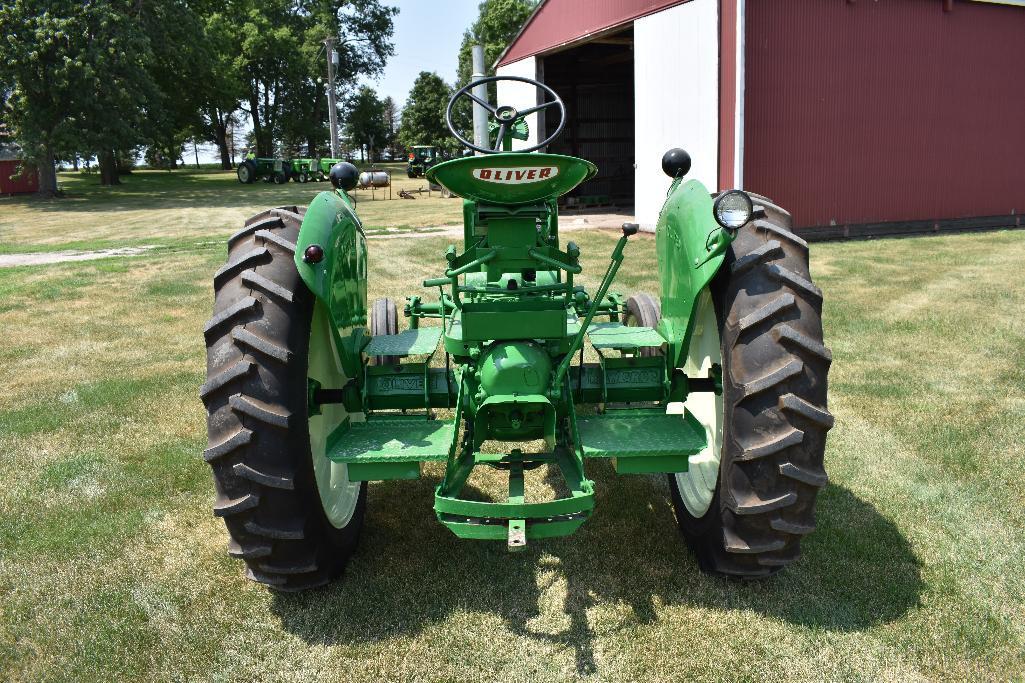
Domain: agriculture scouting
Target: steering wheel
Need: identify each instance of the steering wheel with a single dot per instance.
(505, 115)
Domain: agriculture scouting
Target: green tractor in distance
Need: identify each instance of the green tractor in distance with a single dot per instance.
(719, 382)
(301, 170)
(254, 168)
(422, 158)
(319, 168)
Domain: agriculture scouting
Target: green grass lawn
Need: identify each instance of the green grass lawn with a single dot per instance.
(161, 207)
(112, 566)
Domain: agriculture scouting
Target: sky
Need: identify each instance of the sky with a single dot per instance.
(426, 38)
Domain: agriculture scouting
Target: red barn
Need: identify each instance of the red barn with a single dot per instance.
(859, 116)
(14, 178)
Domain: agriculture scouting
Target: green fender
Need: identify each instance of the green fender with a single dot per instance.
(691, 247)
(339, 280)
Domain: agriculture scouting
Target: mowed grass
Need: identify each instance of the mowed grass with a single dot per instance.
(112, 566)
(161, 207)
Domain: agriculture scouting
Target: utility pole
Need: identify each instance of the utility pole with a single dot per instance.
(480, 114)
(332, 107)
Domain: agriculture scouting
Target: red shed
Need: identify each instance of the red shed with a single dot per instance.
(859, 116)
(15, 177)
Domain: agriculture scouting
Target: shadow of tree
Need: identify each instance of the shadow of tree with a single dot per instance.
(856, 571)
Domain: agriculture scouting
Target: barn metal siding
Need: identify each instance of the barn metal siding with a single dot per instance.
(14, 179)
(857, 112)
(676, 74)
(558, 22)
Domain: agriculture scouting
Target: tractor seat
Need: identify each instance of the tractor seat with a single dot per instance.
(512, 177)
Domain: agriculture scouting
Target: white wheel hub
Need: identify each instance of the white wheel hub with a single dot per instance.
(697, 485)
(338, 495)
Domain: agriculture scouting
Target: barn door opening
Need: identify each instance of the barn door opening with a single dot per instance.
(596, 81)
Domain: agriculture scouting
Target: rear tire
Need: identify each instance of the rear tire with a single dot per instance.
(246, 172)
(259, 448)
(384, 319)
(774, 418)
(643, 310)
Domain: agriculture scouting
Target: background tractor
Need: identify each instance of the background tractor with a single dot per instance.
(718, 382)
(301, 170)
(422, 158)
(269, 170)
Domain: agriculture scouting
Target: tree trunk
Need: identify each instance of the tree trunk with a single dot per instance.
(254, 112)
(47, 175)
(108, 168)
(220, 122)
(74, 161)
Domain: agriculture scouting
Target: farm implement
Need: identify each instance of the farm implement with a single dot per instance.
(719, 382)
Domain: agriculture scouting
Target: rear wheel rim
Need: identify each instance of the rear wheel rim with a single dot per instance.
(243, 174)
(338, 495)
(698, 484)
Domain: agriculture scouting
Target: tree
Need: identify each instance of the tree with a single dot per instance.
(498, 22)
(222, 86)
(391, 123)
(423, 118)
(76, 79)
(280, 40)
(365, 121)
(182, 63)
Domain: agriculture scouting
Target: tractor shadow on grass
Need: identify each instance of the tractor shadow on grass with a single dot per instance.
(856, 571)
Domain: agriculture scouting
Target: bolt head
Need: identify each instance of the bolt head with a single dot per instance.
(313, 254)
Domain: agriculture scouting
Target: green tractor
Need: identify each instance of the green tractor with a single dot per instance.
(319, 168)
(421, 159)
(254, 168)
(718, 383)
(301, 170)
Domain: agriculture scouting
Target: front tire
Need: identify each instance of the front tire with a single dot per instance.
(246, 172)
(265, 338)
(746, 513)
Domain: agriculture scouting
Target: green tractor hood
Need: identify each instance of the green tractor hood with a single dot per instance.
(511, 177)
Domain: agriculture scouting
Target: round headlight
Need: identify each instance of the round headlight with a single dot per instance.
(733, 209)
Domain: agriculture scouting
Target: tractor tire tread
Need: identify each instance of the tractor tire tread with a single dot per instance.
(768, 311)
(258, 410)
(776, 417)
(265, 490)
(270, 222)
(242, 262)
(268, 348)
(237, 440)
(802, 342)
(772, 446)
(268, 236)
(384, 320)
(646, 310)
(767, 251)
(772, 378)
(233, 372)
(250, 551)
(233, 506)
(274, 481)
(237, 309)
(782, 233)
(257, 281)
